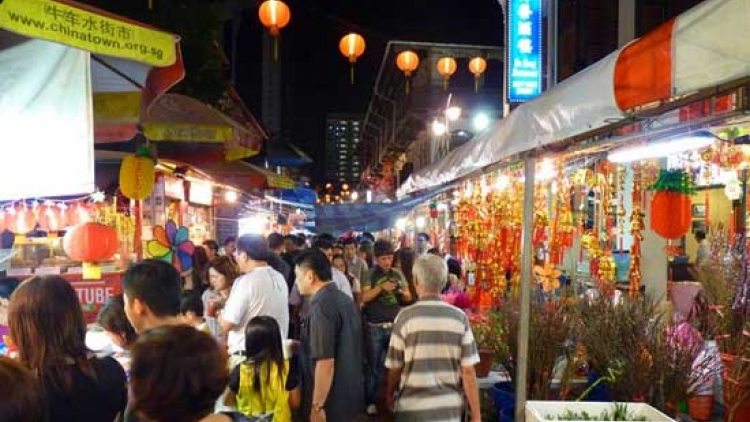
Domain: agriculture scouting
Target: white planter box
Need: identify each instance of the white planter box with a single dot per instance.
(546, 411)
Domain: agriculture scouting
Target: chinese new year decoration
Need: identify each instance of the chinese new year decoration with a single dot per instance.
(671, 204)
(21, 219)
(137, 175)
(90, 243)
(434, 213)
(352, 46)
(477, 66)
(52, 217)
(172, 244)
(274, 15)
(446, 66)
(407, 62)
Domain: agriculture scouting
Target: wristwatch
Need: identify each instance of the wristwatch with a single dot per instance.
(318, 407)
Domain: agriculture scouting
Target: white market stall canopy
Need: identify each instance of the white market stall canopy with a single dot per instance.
(53, 56)
(699, 49)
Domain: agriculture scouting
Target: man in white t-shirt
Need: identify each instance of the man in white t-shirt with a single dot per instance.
(260, 291)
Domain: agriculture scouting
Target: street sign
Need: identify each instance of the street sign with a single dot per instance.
(524, 49)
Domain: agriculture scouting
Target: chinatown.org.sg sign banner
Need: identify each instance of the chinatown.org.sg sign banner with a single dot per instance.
(58, 22)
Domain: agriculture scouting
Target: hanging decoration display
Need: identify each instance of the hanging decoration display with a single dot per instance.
(274, 15)
(52, 217)
(352, 46)
(21, 219)
(407, 62)
(90, 243)
(446, 66)
(477, 67)
(671, 213)
(172, 244)
(137, 175)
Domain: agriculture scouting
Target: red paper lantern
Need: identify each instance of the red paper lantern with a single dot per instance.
(3, 220)
(21, 219)
(51, 218)
(79, 213)
(670, 214)
(90, 242)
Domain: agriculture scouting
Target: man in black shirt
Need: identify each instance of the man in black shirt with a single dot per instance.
(331, 341)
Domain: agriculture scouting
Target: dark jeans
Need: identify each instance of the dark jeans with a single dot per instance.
(378, 348)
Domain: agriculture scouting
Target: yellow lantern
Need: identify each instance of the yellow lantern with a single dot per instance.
(274, 15)
(352, 46)
(137, 175)
(407, 62)
(477, 66)
(447, 66)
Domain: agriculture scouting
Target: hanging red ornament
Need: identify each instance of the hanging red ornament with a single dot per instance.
(79, 213)
(51, 217)
(671, 214)
(21, 219)
(3, 220)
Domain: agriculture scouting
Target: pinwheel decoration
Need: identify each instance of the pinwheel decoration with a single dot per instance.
(549, 277)
(173, 245)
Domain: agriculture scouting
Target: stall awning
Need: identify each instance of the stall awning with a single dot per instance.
(46, 53)
(686, 54)
(340, 218)
(245, 176)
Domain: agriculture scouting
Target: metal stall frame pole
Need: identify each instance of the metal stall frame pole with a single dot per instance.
(527, 252)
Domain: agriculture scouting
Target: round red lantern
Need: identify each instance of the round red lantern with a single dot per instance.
(78, 214)
(3, 220)
(90, 242)
(274, 15)
(51, 218)
(670, 214)
(21, 219)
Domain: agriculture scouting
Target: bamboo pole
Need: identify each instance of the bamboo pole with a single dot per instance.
(527, 256)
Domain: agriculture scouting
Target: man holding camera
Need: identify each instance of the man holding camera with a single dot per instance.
(383, 292)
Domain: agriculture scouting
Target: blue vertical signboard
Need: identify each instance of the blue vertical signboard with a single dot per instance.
(524, 46)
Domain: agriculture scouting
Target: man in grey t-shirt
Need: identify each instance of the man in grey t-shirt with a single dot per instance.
(331, 342)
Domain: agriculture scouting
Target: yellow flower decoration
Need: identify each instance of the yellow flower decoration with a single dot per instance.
(549, 277)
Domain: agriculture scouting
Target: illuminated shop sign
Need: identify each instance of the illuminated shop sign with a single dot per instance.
(524, 49)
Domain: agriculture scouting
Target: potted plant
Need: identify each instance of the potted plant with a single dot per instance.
(723, 314)
(541, 411)
(485, 337)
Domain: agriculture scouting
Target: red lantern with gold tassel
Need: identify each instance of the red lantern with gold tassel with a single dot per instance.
(51, 217)
(90, 243)
(477, 66)
(446, 66)
(671, 214)
(274, 15)
(352, 46)
(407, 62)
(21, 219)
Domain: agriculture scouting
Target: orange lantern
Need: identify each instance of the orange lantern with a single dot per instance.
(90, 242)
(274, 15)
(407, 62)
(21, 219)
(477, 66)
(3, 220)
(78, 214)
(352, 46)
(446, 66)
(51, 217)
(671, 214)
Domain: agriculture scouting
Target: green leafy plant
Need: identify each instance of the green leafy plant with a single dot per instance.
(619, 412)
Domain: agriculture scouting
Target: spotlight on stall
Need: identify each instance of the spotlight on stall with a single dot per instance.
(438, 128)
(231, 196)
(481, 121)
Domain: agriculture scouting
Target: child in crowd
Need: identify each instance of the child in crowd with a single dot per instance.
(115, 323)
(265, 385)
(191, 311)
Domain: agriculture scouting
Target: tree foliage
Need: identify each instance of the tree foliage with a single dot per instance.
(199, 25)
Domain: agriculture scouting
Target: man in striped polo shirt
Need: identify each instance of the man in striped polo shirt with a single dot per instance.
(432, 354)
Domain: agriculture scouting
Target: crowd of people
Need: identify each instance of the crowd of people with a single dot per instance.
(276, 328)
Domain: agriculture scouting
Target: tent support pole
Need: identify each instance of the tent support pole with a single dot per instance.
(527, 254)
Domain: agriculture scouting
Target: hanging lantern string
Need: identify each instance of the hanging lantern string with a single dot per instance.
(32, 201)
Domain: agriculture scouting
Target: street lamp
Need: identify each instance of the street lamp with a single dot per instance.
(355, 196)
(481, 122)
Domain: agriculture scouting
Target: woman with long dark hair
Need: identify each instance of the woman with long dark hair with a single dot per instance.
(403, 259)
(266, 383)
(222, 272)
(46, 323)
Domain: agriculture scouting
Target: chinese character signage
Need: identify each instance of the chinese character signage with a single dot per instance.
(524, 49)
(79, 28)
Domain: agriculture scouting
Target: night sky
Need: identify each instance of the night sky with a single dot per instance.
(316, 75)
